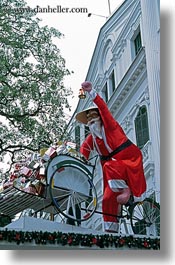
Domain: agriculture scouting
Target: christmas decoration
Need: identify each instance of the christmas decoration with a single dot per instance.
(29, 175)
(81, 94)
(81, 240)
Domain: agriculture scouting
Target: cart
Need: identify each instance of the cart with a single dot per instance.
(67, 189)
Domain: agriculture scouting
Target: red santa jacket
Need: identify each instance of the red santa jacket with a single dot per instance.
(131, 156)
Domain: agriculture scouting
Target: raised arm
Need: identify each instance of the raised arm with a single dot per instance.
(106, 116)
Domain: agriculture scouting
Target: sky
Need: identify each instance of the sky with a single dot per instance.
(80, 34)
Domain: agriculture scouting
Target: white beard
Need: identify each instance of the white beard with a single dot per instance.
(96, 127)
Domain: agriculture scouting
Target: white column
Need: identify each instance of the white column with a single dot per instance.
(151, 41)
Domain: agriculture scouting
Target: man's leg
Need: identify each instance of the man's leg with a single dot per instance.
(116, 176)
(110, 208)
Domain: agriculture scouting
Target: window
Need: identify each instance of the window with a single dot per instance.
(137, 43)
(141, 127)
(112, 82)
(105, 93)
(77, 137)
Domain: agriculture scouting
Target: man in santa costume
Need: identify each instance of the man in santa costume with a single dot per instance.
(121, 160)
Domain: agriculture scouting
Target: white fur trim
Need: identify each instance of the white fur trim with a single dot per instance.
(93, 94)
(105, 141)
(116, 184)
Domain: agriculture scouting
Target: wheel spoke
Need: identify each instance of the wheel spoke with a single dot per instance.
(70, 189)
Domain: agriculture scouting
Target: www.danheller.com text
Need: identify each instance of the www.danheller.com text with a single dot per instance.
(49, 9)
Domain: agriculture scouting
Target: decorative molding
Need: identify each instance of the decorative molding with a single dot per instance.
(127, 123)
(119, 49)
(146, 152)
(146, 96)
(132, 76)
(133, 28)
(107, 56)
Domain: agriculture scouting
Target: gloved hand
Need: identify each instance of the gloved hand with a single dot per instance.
(87, 86)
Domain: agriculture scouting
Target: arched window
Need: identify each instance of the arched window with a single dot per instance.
(141, 127)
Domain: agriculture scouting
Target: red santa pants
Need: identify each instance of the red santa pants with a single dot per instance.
(114, 178)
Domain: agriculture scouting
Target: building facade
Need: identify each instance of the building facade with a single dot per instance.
(125, 71)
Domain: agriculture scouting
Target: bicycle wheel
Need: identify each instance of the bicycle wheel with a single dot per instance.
(145, 217)
(72, 191)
